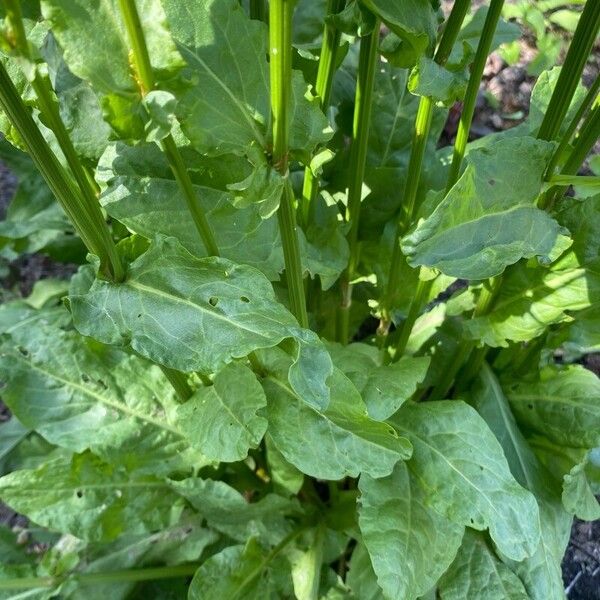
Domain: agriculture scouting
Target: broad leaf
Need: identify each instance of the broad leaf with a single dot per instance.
(410, 543)
(384, 388)
(140, 190)
(541, 573)
(413, 22)
(533, 296)
(12, 433)
(286, 478)
(428, 78)
(578, 497)
(180, 543)
(227, 107)
(222, 420)
(468, 38)
(478, 574)
(82, 397)
(226, 509)
(33, 218)
(235, 573)
(465, 475)
(492, 211)
(337, 442)
(90, 499)
(103, 60)
(197, 314)
(361, 578)
(564, 405)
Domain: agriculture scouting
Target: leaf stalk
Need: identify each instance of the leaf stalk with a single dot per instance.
(83, 212)
(323, 85)
(466, 118)
(419, 144)
(128, 575)
(358, 155)
(280, 66)
(146, 82)
(570, 74)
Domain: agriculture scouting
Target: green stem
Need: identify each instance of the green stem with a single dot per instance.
(185, 185)
(589, 99)
(323, 85)
(129, 575)
(415, 166)
(280, 65)
(588, 136)
(146, 83)
(367, 65)
(286, 217)
(570, 74)
(466, 118)
(418, 301)
(48, 103)
(485, 302)
(259, 10)
(86, 216)
(419, 144)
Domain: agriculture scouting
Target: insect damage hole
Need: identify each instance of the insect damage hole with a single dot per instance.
(213, 301)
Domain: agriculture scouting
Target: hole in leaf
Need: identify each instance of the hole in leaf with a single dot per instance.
(213, 300)
(139, 315)
(492, 181)
(530, 406)
(245, 299)
(85, 378)
(23, 351)
(79, 494)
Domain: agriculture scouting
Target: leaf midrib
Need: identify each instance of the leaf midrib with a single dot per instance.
(121, 407)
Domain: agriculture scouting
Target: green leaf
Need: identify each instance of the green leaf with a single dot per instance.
(234, 573)
(79, 105)
(468, 38)
(12, 433)
(222, 420)
(465, 475)
(180, 543)
(226, 109)
(103, 60)
(578, 497)
(197, 314)
(337, 442)
(90, 499)
(563, 405)
(428, 78)
(33, 218)
(384, 388)
(227, 511)
(284, 475)
(81, 397)
(388, 152)
(412, 21)
(478, 574)
(139, 189)
(361, 578)
(541, 573)
(542, 92)
(491, 209)
(532, 297)
(409, 542)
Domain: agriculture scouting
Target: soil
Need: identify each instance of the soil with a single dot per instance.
(511, 87)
